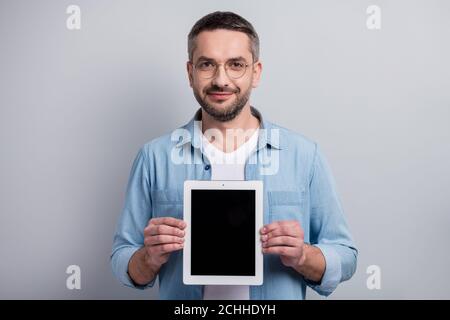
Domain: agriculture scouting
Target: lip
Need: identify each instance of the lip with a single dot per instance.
(220, 95)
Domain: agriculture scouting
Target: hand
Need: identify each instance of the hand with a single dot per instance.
(162, 236)
(284, 238)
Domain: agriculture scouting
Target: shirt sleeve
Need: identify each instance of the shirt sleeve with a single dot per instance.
(328, 229)
(129, 235)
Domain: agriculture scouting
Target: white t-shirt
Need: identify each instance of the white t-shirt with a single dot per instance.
(228, 166)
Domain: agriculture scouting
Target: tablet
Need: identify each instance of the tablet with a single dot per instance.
(222, 239)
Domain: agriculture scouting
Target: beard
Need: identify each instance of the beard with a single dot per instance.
(228, 113)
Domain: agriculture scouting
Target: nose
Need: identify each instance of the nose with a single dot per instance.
(221, 78)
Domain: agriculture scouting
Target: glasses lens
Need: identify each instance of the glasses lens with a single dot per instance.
(235, 69)
(206, 69)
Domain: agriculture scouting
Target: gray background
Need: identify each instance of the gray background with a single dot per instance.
(75, 106)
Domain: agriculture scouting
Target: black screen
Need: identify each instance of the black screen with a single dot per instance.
(223, 232)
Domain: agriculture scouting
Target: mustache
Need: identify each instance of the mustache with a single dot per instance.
(221, 89)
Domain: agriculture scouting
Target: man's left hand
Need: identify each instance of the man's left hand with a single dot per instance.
(284, 238)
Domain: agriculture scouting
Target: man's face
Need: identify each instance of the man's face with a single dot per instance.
(223, 95)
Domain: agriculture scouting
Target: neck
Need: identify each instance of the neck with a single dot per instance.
(246, 122)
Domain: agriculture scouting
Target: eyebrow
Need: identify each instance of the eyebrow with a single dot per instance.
(203, 58)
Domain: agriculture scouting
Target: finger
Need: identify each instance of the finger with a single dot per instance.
(167, 248)
(277, 224)
(161, 239)
(282, 241)
(282, 251)
(269, 227)
(170, 221)
(282, 230)
(163, 229)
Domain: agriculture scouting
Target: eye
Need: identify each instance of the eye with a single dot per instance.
(205, 65)
(236, 65)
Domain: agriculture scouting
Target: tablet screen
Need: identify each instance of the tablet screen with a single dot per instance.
(223, 232)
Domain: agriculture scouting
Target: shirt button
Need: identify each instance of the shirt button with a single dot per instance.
(207, 167)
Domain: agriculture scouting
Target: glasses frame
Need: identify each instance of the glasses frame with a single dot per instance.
(194, 66)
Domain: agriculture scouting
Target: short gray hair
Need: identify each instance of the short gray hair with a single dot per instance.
(228, 21)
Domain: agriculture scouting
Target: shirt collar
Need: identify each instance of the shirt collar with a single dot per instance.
(267, 136)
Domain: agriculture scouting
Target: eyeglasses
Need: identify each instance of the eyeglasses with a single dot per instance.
(234, 69)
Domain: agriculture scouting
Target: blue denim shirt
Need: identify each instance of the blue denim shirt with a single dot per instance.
(298, 184)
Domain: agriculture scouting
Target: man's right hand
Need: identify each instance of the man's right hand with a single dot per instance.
(162, 236)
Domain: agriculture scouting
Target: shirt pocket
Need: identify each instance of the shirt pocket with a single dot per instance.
(286, 205)
(167, 203)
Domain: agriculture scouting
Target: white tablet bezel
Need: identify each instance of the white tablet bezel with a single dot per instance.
(256, 185)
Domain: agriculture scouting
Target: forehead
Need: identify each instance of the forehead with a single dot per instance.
(222, 45)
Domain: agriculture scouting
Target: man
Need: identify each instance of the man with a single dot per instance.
(305, 238)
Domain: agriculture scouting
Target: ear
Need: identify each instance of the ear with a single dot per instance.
(189, 72)
(257, 70)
